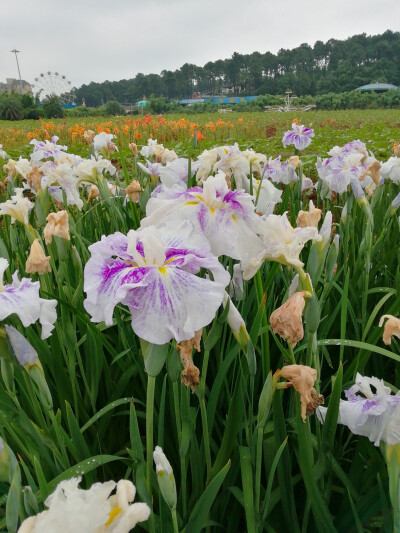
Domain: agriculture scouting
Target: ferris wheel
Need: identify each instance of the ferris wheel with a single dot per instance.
(49, 83)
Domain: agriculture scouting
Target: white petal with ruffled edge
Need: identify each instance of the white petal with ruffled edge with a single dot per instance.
(22, 298)
(154, 276)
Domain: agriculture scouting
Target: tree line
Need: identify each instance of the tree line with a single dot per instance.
(335, 66)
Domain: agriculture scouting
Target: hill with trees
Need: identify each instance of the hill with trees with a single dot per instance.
(335, 66)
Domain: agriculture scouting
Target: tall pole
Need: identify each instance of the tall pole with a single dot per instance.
(19, 72)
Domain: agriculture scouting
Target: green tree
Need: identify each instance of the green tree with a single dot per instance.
(52, 107)
(114, 108)
(11, 108)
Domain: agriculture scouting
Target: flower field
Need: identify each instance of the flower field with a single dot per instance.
(200, 324)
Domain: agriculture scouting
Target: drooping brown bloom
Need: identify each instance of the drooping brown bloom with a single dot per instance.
(294, 161)
(303, 378)
(190, 373)
(309, 218)
(93, 193)
(89, 135)
(396, 149)
(133, 148)
(34, 178)
(287, 322)
(133, 190)
(392, 327)
(9, 168)
(57, 224)
(372, 170)
(37, 261)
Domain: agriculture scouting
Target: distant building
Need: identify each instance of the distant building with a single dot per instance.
(15, 86)
(219, 100)
(377, 87)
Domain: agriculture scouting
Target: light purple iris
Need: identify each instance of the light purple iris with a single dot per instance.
(279, 172)
(299, 136)
(373, 415)
(226, 217)
(22, 298)
(338, 174)
(46, 149)
(152, 169)
(153, 272)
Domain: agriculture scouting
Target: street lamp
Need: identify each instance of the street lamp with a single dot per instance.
(15, 51)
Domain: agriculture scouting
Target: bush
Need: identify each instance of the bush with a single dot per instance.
(113, 108)
(52, 107)
(11, 108)
(158, 105)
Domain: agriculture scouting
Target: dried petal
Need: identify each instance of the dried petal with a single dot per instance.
(287, 322)
(190, 373)
(57, 224)
(37, 261)
(392, 327)
(303, 379)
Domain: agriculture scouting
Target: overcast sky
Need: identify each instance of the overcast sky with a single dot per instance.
(97, 40)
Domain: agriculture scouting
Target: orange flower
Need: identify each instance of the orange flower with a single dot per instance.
(199, 135)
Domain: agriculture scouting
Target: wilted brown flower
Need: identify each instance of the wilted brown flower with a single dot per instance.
(372, 170)
(287, 322)
(396, 149)
(190, 373)
(57, 224)
(392, 327)
(158, 156)
(9, 167)
(133, 147)
(294, 160)
(37, 261)
(111, 148)
(93, 193)
(309, 218)
(133, 190)
(303, 378)
(89, 135)
(34, 178)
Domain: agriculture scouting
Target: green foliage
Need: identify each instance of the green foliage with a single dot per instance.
(113, 108)
(52, 107)
(11, 108)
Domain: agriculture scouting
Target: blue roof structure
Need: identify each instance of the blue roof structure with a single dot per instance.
(379, 87)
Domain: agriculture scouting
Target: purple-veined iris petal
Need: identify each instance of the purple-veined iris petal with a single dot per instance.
(299, 136)
(153, 273)
(376, 416)
(22, 298)
(226, 217)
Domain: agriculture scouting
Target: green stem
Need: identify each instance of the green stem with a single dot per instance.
(151, 381)
(179, 431)
(310, 344)
(291, 353)
(260, 432)
(203, 411)
(264, 336)
(206, 437)
(174, 520)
